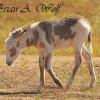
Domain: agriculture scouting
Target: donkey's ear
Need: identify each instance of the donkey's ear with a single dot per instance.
(13, 28)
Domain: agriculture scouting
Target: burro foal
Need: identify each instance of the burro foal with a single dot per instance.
(47, 36)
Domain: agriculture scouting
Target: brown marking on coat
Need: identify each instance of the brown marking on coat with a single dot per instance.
(41, 45)
(18, 44)
(12, 52)
(30, 42)
(27, 42)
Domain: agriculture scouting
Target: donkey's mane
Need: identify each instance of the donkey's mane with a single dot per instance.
(15, 33)
(19, 32)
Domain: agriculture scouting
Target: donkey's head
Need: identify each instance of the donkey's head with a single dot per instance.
(14, 43)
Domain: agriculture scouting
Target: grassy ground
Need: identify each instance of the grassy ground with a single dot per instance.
(20, 81)
(87, 8)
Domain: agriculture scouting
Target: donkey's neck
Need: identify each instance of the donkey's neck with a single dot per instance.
(33, 35)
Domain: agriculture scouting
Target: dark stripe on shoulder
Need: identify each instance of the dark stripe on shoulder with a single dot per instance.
(46, 26)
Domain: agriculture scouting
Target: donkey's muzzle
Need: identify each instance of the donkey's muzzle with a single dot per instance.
(9, 63)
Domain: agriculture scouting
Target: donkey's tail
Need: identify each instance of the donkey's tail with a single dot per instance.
(90, 42)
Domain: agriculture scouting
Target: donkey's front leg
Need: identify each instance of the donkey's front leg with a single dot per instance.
(42, 73)
(50, 71)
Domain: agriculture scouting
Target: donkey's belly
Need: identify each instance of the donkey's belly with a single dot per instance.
(61, 43)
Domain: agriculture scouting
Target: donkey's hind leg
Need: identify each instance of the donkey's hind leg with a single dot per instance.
(89, 62)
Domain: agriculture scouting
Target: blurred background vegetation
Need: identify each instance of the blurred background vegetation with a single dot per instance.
(87, 8)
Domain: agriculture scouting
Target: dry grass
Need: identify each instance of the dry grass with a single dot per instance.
(22, 79)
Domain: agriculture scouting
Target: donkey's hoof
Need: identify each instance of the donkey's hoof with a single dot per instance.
(62, 87)
(40, 89)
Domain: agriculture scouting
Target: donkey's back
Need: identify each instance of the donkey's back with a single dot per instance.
(65, 32)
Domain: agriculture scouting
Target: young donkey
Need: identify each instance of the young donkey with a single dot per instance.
(49, 35)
